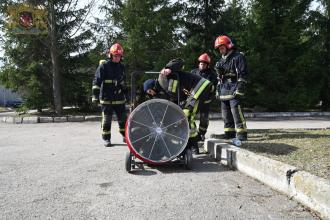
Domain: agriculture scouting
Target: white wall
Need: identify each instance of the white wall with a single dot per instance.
(7, 95)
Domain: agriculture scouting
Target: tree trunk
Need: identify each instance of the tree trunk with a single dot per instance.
(207, 24)
(55, 60)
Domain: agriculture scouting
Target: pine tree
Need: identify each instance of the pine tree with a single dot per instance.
(146, 29)
(275, 48)
(203, 23)
(49, 55)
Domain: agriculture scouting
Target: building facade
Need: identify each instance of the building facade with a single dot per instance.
(8, 97)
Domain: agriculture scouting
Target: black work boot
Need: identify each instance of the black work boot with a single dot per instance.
(201, 137)
(107, 143)
(242, 136)
(195, 149)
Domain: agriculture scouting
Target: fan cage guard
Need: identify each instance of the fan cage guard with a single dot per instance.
(165, 129)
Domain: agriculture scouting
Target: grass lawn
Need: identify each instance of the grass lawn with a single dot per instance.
(308, 150)
(3, 109)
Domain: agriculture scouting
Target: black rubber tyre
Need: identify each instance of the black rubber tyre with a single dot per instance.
(128, 162)
(187, 159)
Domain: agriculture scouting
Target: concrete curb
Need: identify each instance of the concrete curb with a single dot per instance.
(60, 119)
(30, 120)
(76, 118)
(93, 118)
(41, 119)
(310, 190)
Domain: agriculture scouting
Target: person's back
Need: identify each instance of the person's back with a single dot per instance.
(179, 81)
(186, 82)
(193, 88)
(150, 90)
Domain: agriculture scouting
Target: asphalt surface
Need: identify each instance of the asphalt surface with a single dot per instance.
(62, 171)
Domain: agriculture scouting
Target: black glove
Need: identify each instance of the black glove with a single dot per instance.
(127, 94)
(219, 69)
(217, 91)
(95, 102)
(240, 91)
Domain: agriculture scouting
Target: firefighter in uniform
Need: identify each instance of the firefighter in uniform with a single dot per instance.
(232, 74)
(109, 90)
(150, 89)
(206, 72)
(193, 90)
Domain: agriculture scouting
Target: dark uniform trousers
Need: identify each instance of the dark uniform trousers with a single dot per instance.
(232, 115)
(205, 107)
(107, 111)
(232, 72)
(109, 89)
(204, 117)
(204, 96)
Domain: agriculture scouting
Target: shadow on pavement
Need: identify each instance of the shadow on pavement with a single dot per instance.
(143, 172)
(202, 163)
(119, 145)
(270, 148)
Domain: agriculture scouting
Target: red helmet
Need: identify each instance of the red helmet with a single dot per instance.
(204, 58)
(116, 49)
(223, 40)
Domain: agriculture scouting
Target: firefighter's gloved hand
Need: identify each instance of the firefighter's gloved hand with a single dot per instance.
(212, 92)
(186, 112)
(127, 97)
(217, 95)
(240, 91)
(217, 91)
(218, 68)
(95, 102)
(165, 71)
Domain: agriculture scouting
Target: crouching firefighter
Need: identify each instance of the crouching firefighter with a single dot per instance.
(232, 74)
(150, 90)
(206, 72)
(193, 91)
(109, 90)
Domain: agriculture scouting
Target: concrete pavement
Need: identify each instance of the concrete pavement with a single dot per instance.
(62, 171)
(304, 187)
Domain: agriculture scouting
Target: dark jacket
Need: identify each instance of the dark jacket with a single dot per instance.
(208, 74)
(232, 74)
(186, 86)
(109, 83)
(142, 96)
